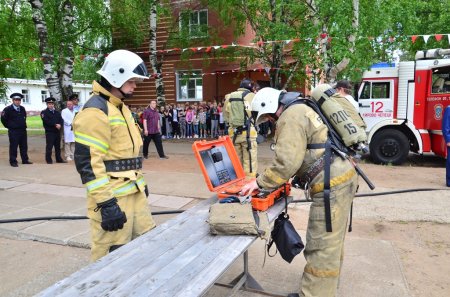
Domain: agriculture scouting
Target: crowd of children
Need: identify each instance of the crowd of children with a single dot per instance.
(188, 120)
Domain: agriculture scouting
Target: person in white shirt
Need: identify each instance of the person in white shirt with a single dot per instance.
(76, 105)
(345, 89)
(68, 114)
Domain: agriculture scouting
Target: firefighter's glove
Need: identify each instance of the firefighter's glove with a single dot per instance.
(113, 218)
(146, 191)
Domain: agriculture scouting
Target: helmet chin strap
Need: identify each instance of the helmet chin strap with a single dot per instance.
(125, 95)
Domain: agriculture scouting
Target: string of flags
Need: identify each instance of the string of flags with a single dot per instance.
(254, 45)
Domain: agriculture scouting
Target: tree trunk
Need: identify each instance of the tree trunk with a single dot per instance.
(68, 55)
(51, 76)
(156, 65)
(277, 51)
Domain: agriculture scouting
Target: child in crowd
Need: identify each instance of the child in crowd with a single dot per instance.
(202, 122)
(182, 122)
(221, 120)
(196, 122)
(189, 120)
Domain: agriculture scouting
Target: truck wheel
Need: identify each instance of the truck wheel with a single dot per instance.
(389, 146)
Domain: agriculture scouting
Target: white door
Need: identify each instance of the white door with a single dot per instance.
(376, 101)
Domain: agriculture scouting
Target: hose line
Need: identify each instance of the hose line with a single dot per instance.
(56, 218)
(180, 211)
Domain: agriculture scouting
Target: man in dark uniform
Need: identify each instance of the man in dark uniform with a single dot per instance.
(14, 119)
(52, 124)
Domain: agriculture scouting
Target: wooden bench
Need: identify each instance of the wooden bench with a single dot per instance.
(177, 258)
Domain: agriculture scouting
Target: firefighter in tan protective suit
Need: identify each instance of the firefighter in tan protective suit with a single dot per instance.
(107, 145)
(299, 132)
(237, 113)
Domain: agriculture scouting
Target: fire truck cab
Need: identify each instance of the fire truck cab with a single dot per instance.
(402, 105)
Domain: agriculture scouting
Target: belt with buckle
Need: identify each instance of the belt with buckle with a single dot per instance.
(123, 164)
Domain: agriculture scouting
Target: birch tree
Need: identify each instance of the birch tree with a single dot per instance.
(156, 63)
(48, 35)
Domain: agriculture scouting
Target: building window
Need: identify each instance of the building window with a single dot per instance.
(190, 86)
(43, 95)
(194, 23)
(26, 96)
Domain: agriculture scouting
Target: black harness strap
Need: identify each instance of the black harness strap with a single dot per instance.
(326, 186)
(326, 180)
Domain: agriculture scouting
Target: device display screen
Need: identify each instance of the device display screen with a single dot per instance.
(218, 165)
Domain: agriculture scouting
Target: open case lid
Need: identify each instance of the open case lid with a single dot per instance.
(219, 162)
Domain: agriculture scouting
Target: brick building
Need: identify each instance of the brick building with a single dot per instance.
(204, 76)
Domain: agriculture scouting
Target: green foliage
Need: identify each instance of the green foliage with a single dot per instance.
(89, 34)
(384, 27)
(130, 22)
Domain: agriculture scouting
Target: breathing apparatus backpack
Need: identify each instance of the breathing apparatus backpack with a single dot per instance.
(342, 116)
(238, 116)
(344, 135)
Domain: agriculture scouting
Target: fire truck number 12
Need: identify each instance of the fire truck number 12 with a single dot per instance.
(377, 106)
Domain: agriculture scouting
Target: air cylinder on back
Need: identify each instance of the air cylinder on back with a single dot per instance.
(340, 119)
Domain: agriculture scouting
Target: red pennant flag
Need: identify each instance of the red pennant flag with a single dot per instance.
(296, 40)
(438, 37)
(224, 46)
(81, 57)
(208, 49)
(323, 35)
(260, 43)
(413, 38)
(329, 39)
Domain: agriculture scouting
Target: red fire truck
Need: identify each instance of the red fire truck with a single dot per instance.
(403, 104)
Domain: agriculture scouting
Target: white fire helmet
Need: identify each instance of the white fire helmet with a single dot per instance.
(265, 102)
(122, 65)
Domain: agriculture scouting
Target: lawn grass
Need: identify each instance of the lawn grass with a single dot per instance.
(33, 122)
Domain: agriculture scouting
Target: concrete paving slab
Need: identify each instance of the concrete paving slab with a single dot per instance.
(51, 189)
(8, 184)
(6, 209)
(58, 232)
(187, 184)
(172, 202)
(82, 240)
(62, 204)
(24, 199)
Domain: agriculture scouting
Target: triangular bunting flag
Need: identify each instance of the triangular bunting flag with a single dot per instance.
(426, 37)
(287, 41)
(184, 50)
(438, 37)
(208, 49)
(413, 38)
(199, 48)
(224, 46)
(267, 69)
(216, 46)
